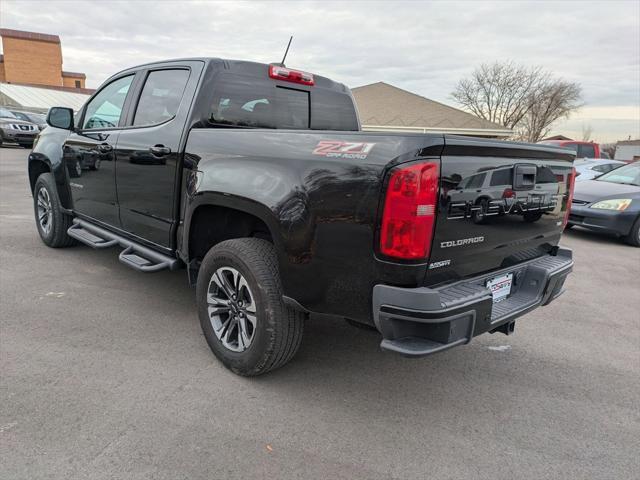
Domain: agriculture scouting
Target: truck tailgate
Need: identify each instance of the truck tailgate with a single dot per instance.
(500, 204)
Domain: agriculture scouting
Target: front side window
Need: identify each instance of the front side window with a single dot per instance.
(105, 109)
(502, 177)
(161, 96)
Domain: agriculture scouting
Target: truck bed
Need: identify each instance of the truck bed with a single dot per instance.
(324, 190)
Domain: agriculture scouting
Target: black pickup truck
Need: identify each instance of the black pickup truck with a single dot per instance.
(256, 179)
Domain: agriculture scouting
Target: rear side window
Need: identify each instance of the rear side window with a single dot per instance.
(250, 102)
(502, 177)
(247, 103)
(161, 96)
(571, 146)
(545, 175)
(586, 151)
(331, 110)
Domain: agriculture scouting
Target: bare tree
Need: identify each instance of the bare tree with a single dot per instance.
(553, 100)
(587, 133)
(525, 99)
(609, 149)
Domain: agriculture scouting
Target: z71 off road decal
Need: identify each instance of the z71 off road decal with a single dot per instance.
(339, 149)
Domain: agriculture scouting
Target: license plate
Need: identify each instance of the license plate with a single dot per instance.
(500, 287)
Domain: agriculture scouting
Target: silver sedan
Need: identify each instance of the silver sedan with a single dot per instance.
(590, 168)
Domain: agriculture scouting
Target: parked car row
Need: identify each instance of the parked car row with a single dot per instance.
(581, 148)
(38, 118)
(20, 127)
(609, 203)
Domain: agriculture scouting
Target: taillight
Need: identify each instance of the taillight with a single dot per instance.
(288, 75)
(409, 211)
(508, 193)
(571, 184)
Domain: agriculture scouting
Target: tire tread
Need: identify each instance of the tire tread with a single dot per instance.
(288, 323)
(61, 221)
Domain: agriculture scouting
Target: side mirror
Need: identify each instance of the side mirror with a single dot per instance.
(60, 117)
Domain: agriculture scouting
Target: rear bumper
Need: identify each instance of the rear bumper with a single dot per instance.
(610, 221)
(421, 321)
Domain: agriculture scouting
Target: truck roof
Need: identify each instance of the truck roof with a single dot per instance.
(245, 67)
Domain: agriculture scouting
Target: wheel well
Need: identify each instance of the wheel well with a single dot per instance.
(36, 169)
(211, 225)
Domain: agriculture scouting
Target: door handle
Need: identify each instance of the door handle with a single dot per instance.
(104, 147)
(160, 150)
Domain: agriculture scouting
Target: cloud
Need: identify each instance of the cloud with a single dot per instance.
(424, 47)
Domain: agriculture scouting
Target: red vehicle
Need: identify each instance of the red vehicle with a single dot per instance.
(582, 149)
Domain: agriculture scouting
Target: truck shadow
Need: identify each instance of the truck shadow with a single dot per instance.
(338, 366)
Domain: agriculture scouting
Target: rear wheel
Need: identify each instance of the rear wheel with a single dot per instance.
(634, 235)
(479, 216)
(51, 222)
(96, 165)
(531, 217)
(243, 317)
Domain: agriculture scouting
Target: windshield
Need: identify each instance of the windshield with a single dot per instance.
(36, 117)
(29, 117)
(4, 113)
(627, 175)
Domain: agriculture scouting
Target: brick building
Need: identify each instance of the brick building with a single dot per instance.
(31, 58)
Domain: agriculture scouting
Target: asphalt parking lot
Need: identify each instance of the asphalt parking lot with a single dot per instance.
(105, 374)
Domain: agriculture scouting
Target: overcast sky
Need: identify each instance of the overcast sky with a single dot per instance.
(425, 47)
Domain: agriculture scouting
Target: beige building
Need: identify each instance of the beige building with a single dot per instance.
(383, 107)
(31, 58)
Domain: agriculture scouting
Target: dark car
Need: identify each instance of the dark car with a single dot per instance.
(258, 181)
(15, 130)
(610, 203)
(37, 118)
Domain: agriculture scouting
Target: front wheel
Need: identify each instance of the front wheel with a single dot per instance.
(634, 235)
(51, 221)
(242, 315)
